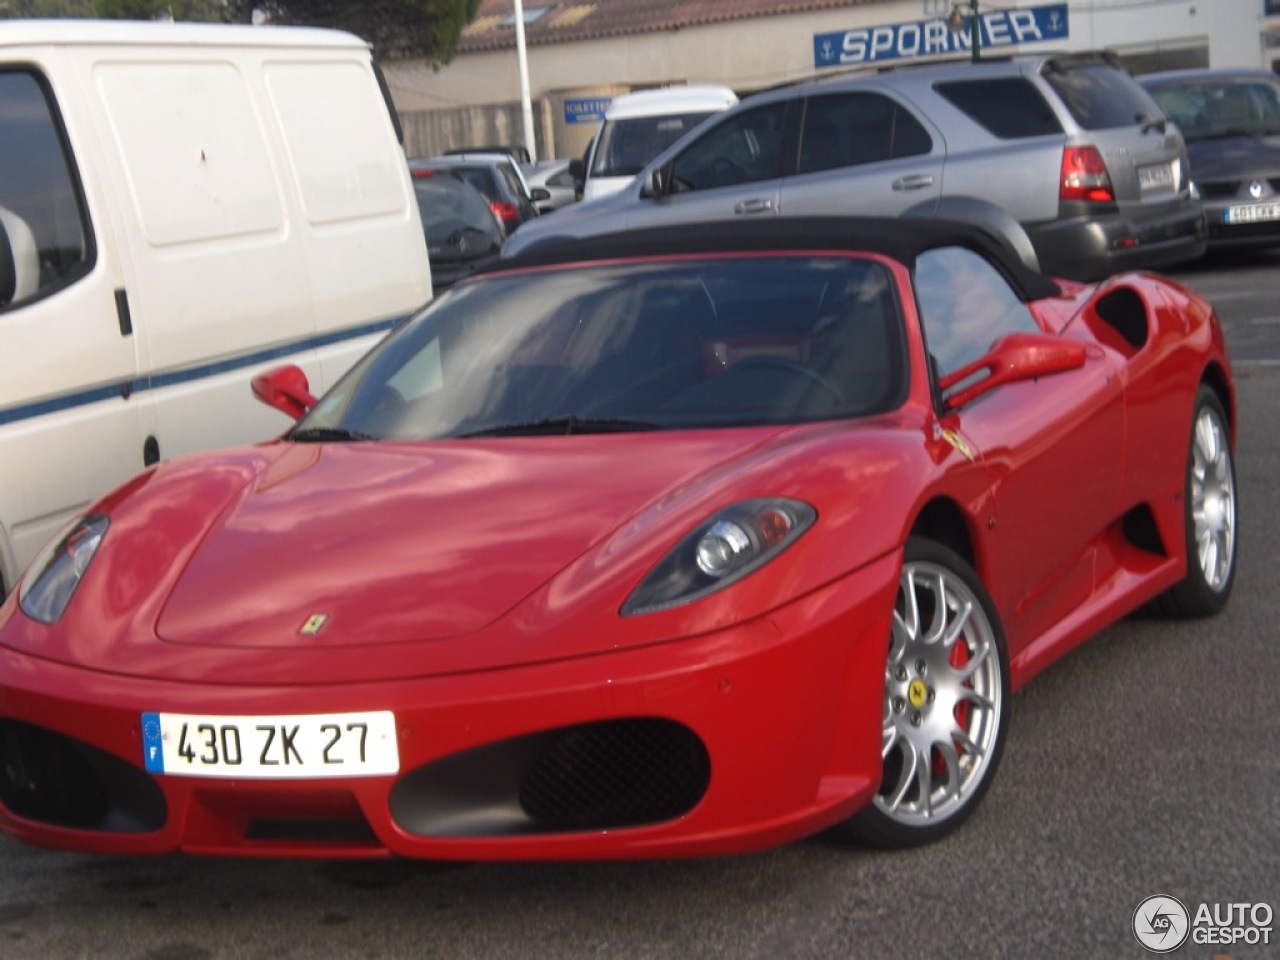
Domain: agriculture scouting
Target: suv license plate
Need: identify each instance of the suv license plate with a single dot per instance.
(1251, 213)
(1155, 176)
(302, 746)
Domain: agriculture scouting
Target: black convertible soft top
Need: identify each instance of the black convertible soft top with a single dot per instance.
(900, 239)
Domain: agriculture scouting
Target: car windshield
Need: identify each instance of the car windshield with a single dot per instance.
(627, 144)
(1207, 109)
(685, 344)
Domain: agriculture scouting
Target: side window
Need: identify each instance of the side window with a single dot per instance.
(1006, 107)
(1100, 97)
(40, 202)
(562, 179)
(848, 129)
(966, 305)
(744, 148)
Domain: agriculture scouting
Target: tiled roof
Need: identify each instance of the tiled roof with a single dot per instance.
(547, 21)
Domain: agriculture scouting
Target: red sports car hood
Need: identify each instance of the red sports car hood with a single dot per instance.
(362, 544)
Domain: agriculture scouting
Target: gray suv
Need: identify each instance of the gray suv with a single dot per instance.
(1070, 147)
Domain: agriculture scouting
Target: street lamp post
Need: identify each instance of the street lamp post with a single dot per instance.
(956, 21)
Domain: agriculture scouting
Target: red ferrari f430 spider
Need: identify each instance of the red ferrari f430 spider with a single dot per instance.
(668, 543)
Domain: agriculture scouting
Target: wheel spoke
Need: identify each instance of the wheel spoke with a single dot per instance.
(959, 620)
(969, 695)
(924, 780)
(891, 738)
(966, 744)
(905, 779)
(951, 761)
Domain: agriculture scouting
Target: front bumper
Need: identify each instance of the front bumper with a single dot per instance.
(743, 738)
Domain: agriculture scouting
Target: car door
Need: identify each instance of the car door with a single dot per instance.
(1053, 447)
(731, 171)
(70, 425)
(863, 152)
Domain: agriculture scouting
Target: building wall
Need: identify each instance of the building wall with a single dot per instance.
(750, 55)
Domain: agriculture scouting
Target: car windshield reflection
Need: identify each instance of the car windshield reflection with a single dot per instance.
(695, 343)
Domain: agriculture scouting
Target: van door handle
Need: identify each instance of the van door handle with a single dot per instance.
(914, 181)
(753, 206)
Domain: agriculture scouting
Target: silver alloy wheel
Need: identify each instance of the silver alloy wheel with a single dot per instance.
(1213, 499)
(943, 698)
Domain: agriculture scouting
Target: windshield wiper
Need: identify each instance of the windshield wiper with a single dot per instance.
(551, 426)
(327, 434)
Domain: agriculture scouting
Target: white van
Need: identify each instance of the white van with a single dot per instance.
(639, 126)
(182, 206)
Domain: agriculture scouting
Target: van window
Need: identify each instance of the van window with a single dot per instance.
(848, 129)
(1006, 107)
(744, 148)
(40, 198)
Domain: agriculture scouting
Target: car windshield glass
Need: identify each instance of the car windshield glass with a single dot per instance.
(627, 144)
(686, 344)
(1212, 109)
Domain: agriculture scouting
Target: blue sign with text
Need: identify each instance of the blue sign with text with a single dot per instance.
(931, 38)
(586, 109)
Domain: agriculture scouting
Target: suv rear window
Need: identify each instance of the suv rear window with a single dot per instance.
(1100, 96)
(1010, 108)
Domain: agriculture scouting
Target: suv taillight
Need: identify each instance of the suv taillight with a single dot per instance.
(506, 212)
(1084, 176)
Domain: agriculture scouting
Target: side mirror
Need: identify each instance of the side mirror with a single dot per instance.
(539, 194)
(657, 183)
(577, 169)
(1012, 359)
(286, 389)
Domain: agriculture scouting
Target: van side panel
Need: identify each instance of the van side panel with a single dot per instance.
(214, 273)
(349, 179)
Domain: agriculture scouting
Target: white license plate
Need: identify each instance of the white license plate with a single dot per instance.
(1155, 175)
(271, 747)
(1251, 213)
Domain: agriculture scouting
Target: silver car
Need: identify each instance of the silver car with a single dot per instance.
(1070, 147)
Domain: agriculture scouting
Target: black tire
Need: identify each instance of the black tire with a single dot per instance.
(1210, 512)
(947, 706)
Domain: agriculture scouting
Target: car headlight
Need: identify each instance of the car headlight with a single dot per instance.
(723, 549)
(58, 568)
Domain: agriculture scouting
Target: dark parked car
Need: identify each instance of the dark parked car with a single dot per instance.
(1068, 146)
(1231, 122)
(498, 177)
(463, 234)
